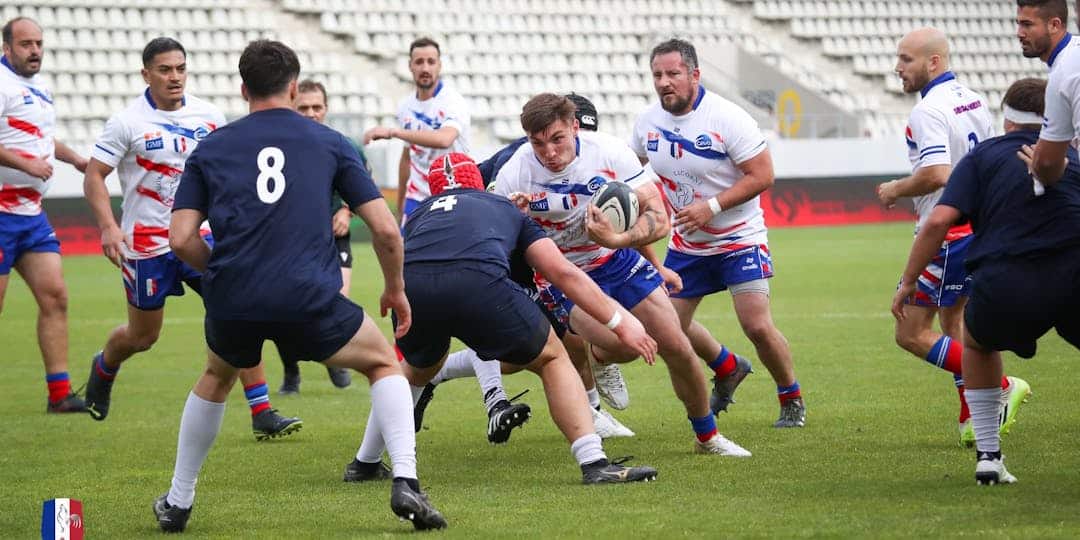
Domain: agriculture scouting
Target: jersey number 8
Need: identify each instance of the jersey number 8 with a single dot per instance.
(271, 162)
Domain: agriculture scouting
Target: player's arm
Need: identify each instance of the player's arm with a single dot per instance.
(430, 138)
(1046, 161)
(390, 250)
(923, 181)
(97, 196)
(184, 238)
(757, 176)
(545, 257)
(403, 180)
(36, 167)
(67, 155)
(926, 246)
(652, 223)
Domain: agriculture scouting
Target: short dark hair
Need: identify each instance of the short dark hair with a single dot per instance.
(1027, 95)
(545, 109)
(585, 111)
(681, 46)
(9, 28)
(310, 85)
(160, 45)
(1049, 9)
(424, 42)
(267, 67)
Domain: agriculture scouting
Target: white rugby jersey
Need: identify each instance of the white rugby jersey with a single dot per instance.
(27, 128)
(947, 123)
(558, 201)
(445, 108)
(148, 147)
(696, 156)
(1062, 113)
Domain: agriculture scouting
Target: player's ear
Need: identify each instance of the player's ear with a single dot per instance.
(293, 90)
(695, 75)
(145, 72)
(244, 92)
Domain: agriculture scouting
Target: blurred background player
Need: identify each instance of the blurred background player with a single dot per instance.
(458, 246)
(27, 240)
(433, 121)
(503, 416)
(148, 143)
(265, 181)
(553, 180)
(1024, 263)
(713, 164)
(1043, 30)
(311, 102)
(944, 126)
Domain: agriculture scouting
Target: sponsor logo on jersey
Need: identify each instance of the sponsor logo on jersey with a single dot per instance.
(539, 206)
(703, 142)
(595, 183)
(201, 133)
(653, 142)
(153, 141)
(27, 97)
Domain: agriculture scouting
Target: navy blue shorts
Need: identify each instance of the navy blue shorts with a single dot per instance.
(490, 314)
(240, 343)
(1014, 302)
(24, 234)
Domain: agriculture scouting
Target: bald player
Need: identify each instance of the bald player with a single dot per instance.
(945, 125)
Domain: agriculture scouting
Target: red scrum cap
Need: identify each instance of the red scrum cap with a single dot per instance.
(453, 171)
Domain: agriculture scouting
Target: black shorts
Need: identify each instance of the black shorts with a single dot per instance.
(556, 323)
(344, 250)
(240, 343)
(1014, 302)
(492, 315)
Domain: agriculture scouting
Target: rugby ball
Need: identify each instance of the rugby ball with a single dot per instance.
(619, 204)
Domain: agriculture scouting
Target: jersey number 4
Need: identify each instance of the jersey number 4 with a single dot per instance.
(445, 204)
(271, 162)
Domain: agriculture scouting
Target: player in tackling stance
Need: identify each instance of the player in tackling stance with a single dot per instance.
(459, 243)
(265, 183)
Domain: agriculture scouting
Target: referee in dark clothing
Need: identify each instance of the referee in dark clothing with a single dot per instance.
(1024, 262)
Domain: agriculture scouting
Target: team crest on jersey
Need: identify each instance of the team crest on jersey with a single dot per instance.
(27, 97)
(153, 141)
(653, 141)
(703, 142)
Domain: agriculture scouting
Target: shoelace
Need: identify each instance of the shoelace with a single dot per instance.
(620, 461)
(515, 398)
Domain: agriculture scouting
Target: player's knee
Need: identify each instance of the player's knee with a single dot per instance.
(759, 331)
(53, 300)
(144, 341)
(906, 339)
(676, 348)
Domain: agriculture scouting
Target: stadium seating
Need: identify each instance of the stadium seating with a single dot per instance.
(499, 52)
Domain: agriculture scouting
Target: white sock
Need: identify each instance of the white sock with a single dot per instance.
(588, 449)
(391, 405)
(199, 426)
(458, 365)
(372, 445)
(594, 397)
(489, 375)
(984, 404)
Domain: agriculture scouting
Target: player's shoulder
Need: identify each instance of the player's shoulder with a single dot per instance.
(201, 106)
(600, 141)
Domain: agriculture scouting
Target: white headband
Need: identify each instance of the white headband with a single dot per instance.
(1022, 117)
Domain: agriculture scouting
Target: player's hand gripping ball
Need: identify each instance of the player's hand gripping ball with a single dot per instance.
(619, 204)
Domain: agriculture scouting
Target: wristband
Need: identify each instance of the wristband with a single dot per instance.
(714, 205)
(615, 320)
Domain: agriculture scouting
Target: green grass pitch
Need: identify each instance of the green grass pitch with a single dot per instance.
(878, 457)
